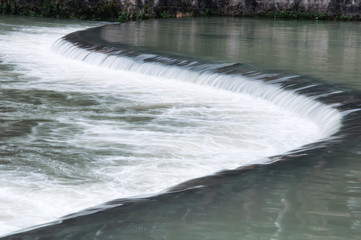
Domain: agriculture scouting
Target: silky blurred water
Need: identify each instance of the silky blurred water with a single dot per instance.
(74, 135)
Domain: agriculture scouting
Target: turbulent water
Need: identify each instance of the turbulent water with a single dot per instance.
(129, 121)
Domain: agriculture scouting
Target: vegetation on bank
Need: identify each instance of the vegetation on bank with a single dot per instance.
(96, 11)
(115, 11)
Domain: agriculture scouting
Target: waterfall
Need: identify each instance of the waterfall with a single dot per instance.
(325, 116)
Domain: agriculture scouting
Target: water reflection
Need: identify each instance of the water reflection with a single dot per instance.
(325, 50)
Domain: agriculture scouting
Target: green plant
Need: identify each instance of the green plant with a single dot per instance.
(205, 13)
(285, 14)
(139, 15)
(2, 8)
(13, 7)
(321, 16)
(28, 12)
(165, 14)
(305, 15)
(146, 8)
(345, 18)
(124, 16)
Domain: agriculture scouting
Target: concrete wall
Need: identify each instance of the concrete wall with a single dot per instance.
(124, 10)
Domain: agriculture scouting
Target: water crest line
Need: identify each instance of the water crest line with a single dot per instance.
(206, 74)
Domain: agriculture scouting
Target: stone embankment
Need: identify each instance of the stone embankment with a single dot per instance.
(125, 10)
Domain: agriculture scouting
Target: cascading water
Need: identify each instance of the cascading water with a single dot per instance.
(122, 122)
(327, 118)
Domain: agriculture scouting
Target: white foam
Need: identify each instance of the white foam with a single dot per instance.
(327, 118)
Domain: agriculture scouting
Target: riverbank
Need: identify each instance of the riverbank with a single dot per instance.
(126, 10)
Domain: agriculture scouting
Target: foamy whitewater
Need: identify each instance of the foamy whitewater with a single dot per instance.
(154, 126)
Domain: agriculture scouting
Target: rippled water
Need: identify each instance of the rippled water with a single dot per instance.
(74, 135)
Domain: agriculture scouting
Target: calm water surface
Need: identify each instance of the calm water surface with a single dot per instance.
(325, 50)
(74, 135)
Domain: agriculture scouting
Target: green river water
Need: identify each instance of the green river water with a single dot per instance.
(74, 135)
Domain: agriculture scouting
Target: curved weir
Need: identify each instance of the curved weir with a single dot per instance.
(334, 112)
(220, 76)
(304, 97)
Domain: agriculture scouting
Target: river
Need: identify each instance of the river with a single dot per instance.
(263, 114)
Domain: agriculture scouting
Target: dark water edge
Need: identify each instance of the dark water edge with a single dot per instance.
(310, 193)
